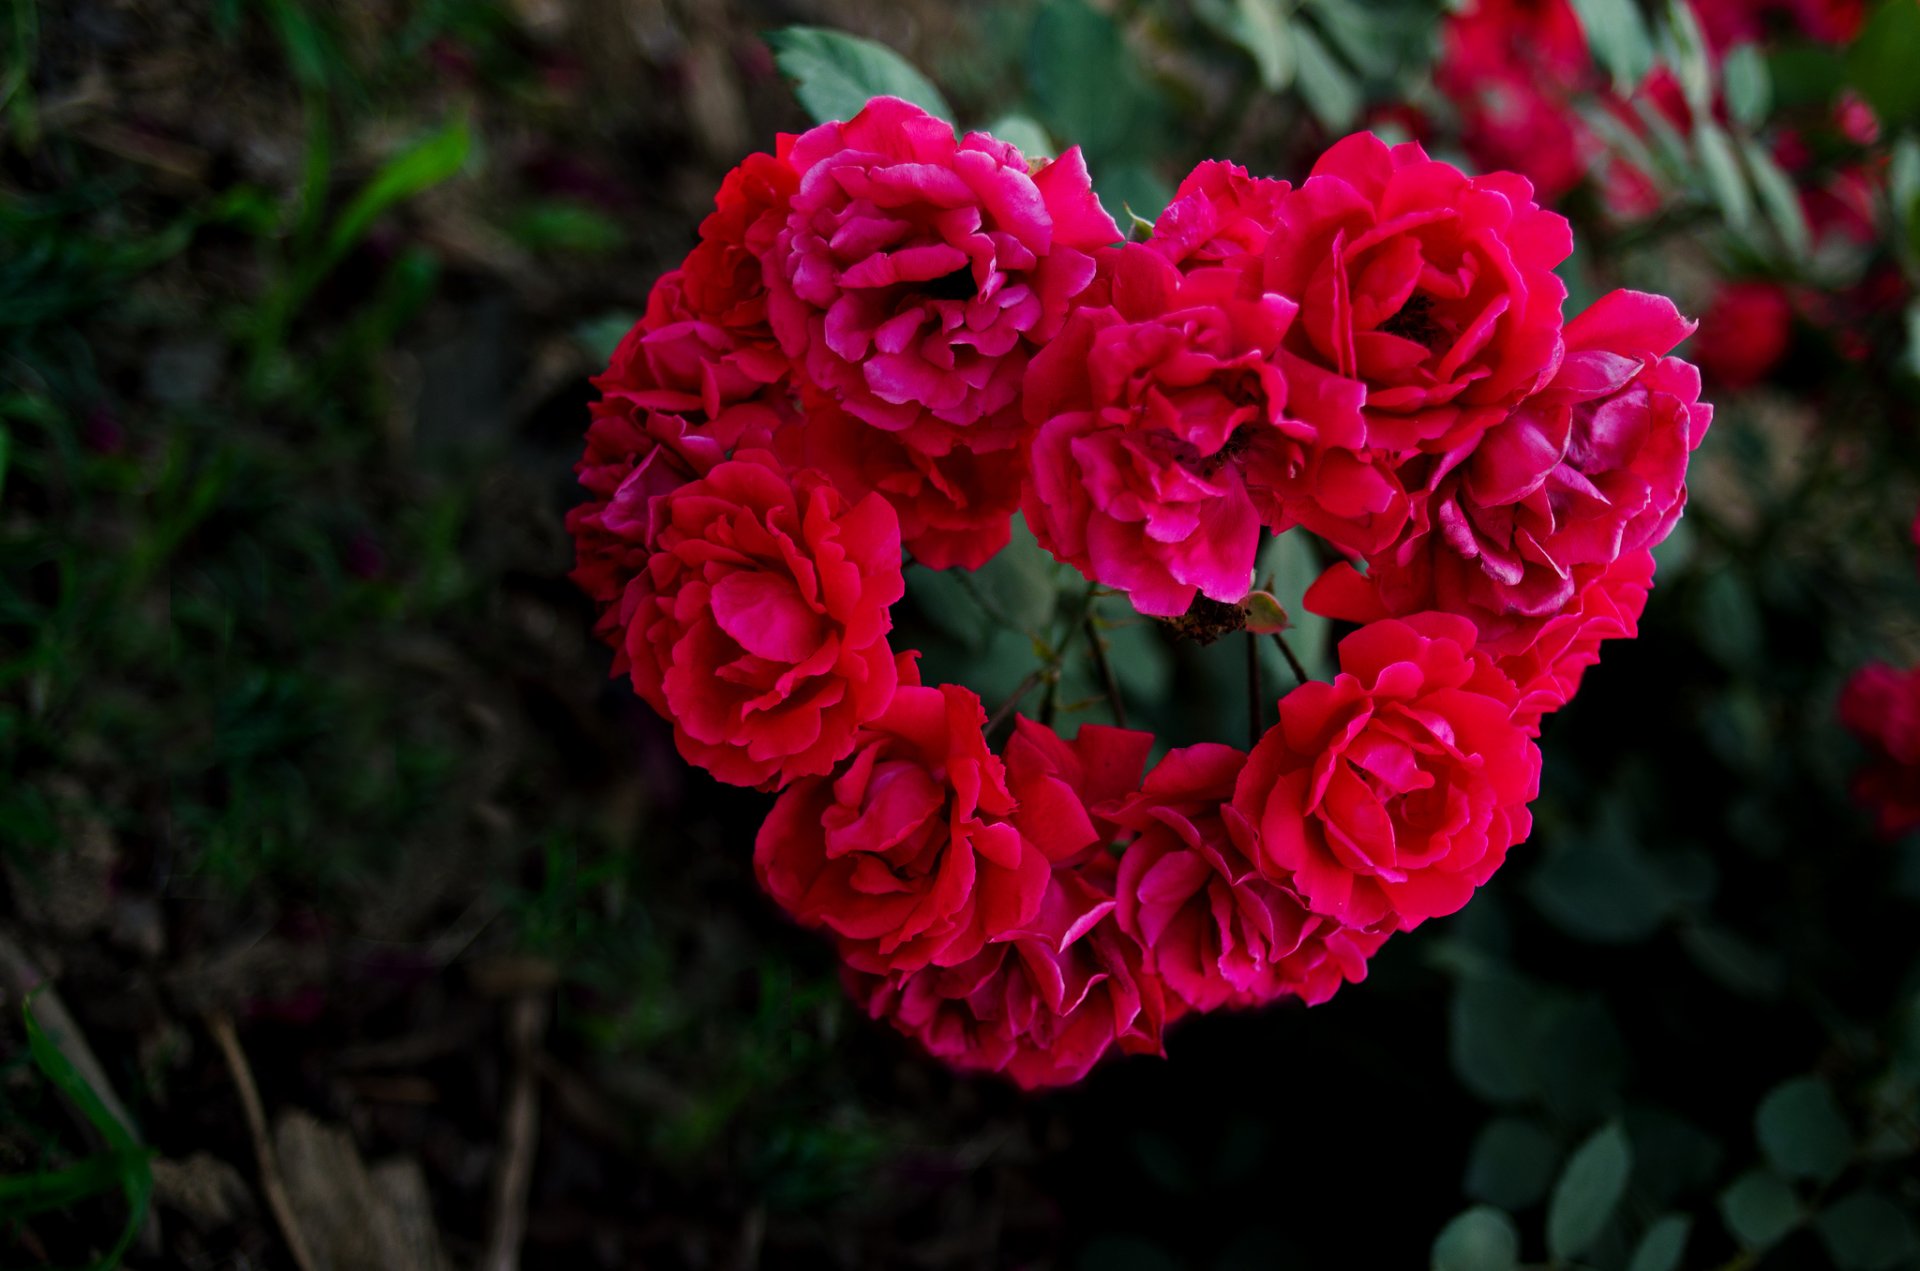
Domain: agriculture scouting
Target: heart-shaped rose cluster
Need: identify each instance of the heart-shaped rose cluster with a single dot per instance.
(888, 340)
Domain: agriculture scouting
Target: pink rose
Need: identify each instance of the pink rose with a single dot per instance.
(1041, 1008)
(1431, 289)
(1217, 214)
(1548, 671)
(915, 273)
(911, 852)
(759, 623)
(1216, 931)
(1512, 68)
(1384, 798)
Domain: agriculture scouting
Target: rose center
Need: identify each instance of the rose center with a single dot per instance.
(958, 285)
(1415, 321)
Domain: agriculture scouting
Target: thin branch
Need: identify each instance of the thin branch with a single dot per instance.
(1105, 667)
(270, 1181)
(1254, 693)
(526, 1027)
(1005, 710)
(1286, 651)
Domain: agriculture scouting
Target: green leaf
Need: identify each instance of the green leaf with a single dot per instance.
(1880, 62)
(1136, 189)
(834, 74)
(1736, 963)
(1481, 1239)
(1330, 90)
(1511, 1162)
(1589, 1189)
(127, 1157)
(1868, 1232)
(1663, 1246)
(1801, 1130)
(1088, 87)
(1804, 74)
(1618, 36)
(1722, 169)
(1759, 1208)
(1903, 190)
(1025, 132)
(1260, 28)
(1692, 64)
(1020, 586)
(1582, 1061)
(1779, 198)
(1497, 1022)
(419, 167)
(1743, 75)
(602, 335)
(1600, 887)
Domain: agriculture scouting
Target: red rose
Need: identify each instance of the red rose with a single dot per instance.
(911, 851)
(956, 509)
(1218, 213)
(1074, 783)
(1744, 334)
(1144, 411)
(1881, 707)
(916, 272)
(697, 377)
(759, 623)
(1509, 530)
(1384, 798)
(1216, 931)
(1041, 1008)
(1433, 290)
(1548, 671)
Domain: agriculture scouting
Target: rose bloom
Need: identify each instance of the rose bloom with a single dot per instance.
(1384, 798)
(1881, 707)
(1218, 213)
(910, 852)
(759, 622)
(956, 509)
(1548, 671)
(698, 376)
(1076, 784)
(1744, 333)
(1040, 1008)
(1511, 530)
(1149, 413)
(1433, 290)
(1217, 932)
(915, 272)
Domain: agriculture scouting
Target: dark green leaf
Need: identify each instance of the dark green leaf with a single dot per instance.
(1088, 87)
(1903, 190)
(1739, 965)
(1583, 1062)
(1511, 1163)
(1589, 1189)
(1722, 169)
(1600, 888)
(1779, 198)
(1618, 36)
(1759, 1209)
(1663, 1246)
(1880, 61)
(1804, 74)
(1330, 90)
(1802, 1131)
(1868, 1232)
(1481, 1239)
(1692, 63)
(419, 167)
(834, 74)
(1259, 27)
(1494, 1037)
(1743, 72)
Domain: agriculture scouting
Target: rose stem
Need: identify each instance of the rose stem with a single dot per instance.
(1299, 672)
(1100, 662)
(1253, 691)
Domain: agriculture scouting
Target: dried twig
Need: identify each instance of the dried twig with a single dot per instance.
(526, 1024)
(270, 1181)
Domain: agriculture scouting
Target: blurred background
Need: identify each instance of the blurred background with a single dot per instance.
(367, 922)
